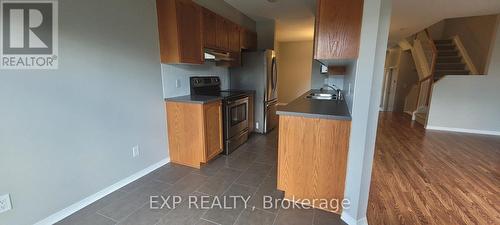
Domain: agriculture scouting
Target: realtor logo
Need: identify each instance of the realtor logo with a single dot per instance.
(29, 34)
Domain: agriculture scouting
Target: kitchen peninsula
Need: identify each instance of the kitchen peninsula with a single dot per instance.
(312, 149)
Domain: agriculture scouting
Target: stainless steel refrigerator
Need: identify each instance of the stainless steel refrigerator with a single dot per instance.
(259, 72)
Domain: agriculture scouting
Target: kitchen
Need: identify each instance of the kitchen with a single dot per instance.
(198, 98)
(221, 112)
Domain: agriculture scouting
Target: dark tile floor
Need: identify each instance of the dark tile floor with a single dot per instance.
(249, 172)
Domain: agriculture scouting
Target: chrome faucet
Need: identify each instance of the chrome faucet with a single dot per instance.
(325, 86)
(337, 90)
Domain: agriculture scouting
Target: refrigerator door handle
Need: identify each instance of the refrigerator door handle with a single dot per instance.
(273, 74)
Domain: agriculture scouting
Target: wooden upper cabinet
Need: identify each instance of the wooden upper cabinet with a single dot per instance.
(180, 29)
(248, 39)
(186, 29)
(337, 29)
(209, 28)
(234, 37)
(222, 33)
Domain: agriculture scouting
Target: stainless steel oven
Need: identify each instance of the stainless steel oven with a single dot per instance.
(236, 122)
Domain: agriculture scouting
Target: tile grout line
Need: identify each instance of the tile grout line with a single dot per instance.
(209, 221)
(276, 217)
(228, 187)
(107, 217)
(253, 194)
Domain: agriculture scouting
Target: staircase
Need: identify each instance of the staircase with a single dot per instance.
(449, 61)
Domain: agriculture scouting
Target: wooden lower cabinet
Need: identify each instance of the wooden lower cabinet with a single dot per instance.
(194, 132)
(312, 159)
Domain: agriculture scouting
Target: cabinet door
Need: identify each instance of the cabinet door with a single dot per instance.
(221, 30)
(251, 113)
(252, 40)
(337, 29)
(248, 39)
(234, 37)
(213, 129)
(189, 28)
(209, 28)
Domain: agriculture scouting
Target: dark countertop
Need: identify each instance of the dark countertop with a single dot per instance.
(198, 99)
(313, 108)
(243, 90)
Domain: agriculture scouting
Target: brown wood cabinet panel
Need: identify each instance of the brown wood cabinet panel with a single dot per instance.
(194, 132)
(312, 158)
(185, 133)
(234, 38)
(337, 70)
(222, 33)
(248, 39)
(337, 29)
(213, 129)
(179, 25)
(209, 28)
(189, 17)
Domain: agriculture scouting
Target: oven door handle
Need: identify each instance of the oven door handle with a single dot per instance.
(229, 103)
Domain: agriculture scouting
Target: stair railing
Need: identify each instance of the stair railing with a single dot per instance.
(465, 55)
(426, 53)
(433, 65)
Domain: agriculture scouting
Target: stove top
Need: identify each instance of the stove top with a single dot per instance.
(231, 94)
(211, 86)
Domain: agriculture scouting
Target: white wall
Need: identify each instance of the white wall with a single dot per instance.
(468, 103)
(66, 134)
(365, 107)
(349, 84)
(294, 69)
(266, 34)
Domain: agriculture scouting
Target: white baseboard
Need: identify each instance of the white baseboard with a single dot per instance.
(58, 216)
(471, 131)
(351, 221)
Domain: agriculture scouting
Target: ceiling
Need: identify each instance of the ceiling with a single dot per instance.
(411, 16)
(295, 18)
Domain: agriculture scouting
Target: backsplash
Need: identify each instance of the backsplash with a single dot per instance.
(172, 74)
(335, 80)
(318, 79)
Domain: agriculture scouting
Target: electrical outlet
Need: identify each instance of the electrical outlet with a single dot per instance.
(135, 151)
(177, 83)
(257, 125)
(5, 204)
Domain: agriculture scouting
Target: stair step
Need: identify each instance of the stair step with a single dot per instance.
(449, 59)
(421, 118)
(445, 47)
(447, 41)
(448, 53)
(451, 72)
(450, 66)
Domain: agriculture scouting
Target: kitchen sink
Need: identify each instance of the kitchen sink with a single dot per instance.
(322, 96)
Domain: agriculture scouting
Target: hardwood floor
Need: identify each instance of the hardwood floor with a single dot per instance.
(433, 177)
